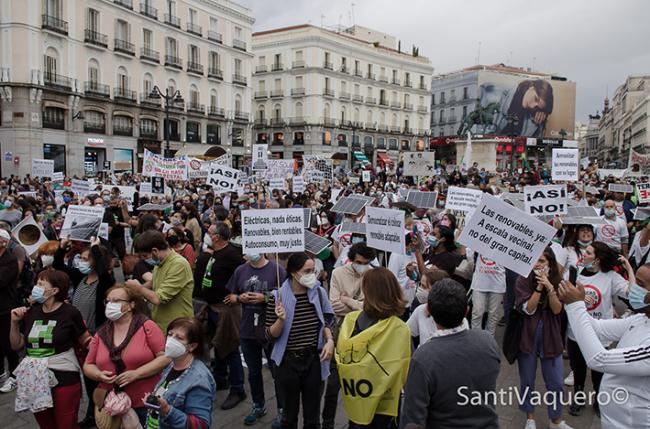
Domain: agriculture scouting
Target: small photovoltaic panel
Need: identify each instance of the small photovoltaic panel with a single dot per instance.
(349, 205)
(353, 227)
(577, 220)
(403, 192)
(592, 190)
(621, 187)
(422, 200)
(641, 213)
(314, 243)
(578, 211)
(307, 217)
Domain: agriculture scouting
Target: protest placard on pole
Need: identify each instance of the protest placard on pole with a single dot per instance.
(127, 193)
(508, 235)
(644, 192)
(463, 199)
(385, 230)
(278, 168)
(298, 185)
(42, 167)
(419, 163)
(273, 230)
(223, 179)
(169, 168)
(365, 176)
(81, 223)
(565, 164)
(260, 156)
(545, 200)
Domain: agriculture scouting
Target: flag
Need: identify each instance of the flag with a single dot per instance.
(524, 161)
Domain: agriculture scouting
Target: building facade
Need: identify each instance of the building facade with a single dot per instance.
(588, 138)
(318, 91)
(76, 79)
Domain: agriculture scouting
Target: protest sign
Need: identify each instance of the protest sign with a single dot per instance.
(311, 163)
(509, 236)
(158, 186)
(145, 188)
(80, 187)
(385, 229)
(620, 187)
(260, 156)
(639, 159)
(419, 163)
(103, 231)
(315, 176)
(200, 169)
(223, 179)
(584, 162)
(298, 185)
(276, 183)
(127, 193)
(278, 168)
(644, 192)
(57, 177)
(365, 176)
(545, 200)
(168, 168)
(81, 223)
(42, 167)
(273, 230)
(565, 164)
(29, 234)
(462, 199)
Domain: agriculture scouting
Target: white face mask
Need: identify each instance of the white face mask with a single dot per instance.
(47, 260)
(174, 348)
(422, 295)
(113, 311)
(207, 242)
(308, 280)
(360, 268)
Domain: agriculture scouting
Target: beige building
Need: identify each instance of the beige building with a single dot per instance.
(76, 78)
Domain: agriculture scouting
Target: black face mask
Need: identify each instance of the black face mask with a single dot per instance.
(172, 240)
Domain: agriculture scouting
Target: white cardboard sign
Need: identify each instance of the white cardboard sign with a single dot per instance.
(566, 163)
(260, 156)
(223, 179)
(644, 192)
(365, 176)
(419, 163)
(298, 185)
(509, 236)
(463, 199)
(276, 183)
(58, 176)
(545, 200)
(80, 187)
(42, 167)
(385, 229)
(273, 231)
(81, 223)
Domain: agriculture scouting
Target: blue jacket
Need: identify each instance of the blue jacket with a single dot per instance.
(193, 392)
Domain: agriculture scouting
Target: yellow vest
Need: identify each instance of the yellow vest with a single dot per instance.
(372, 366)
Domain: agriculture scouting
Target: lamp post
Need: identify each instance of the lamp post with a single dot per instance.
(513, 122)
(354, 127)
(170, 97)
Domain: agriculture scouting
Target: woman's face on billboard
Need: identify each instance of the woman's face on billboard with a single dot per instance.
(532, 101)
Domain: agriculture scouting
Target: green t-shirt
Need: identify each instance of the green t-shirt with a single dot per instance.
(173, 284)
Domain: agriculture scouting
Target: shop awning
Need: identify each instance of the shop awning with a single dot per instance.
(383, 157)
(359, 156)
(339, 156)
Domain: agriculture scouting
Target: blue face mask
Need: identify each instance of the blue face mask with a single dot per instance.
(84, 267)
(38, 295)
(66, 199)
(637, 297)
(584, 243)
(433, 241)
(153, 262)
(254, 257)
(588, 265)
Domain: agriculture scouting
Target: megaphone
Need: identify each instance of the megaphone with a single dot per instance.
(29, 234)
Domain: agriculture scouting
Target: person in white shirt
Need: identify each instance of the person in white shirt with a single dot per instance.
(488, 289)
(577, 245)
(404, 267)
(626, 368)
(640, 248)
(601, 284)
(614, 231)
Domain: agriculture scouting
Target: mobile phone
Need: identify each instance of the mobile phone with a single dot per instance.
(573, 274)
(152, 402)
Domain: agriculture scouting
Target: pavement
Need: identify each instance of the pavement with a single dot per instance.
(509, 415)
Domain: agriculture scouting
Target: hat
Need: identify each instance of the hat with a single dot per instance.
(242, 199)
(5, 235)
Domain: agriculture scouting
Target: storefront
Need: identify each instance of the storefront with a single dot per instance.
(55, 152)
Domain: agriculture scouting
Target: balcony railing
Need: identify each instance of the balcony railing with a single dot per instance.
(195, 107)
(327, 65)
(149, 132)
(259, 95)
(277, 93)
(395, 129)
(215, 73)
(145, 99)
(327, 92)
(328, 122)
(239, 44)
(423, 86)
(99, 128)
(173, 61)
(172, 20)
(277, 122)
(216, 111)
(371, 100)
(344, 95)
(194, 29)
(298, 65)
(122, 129)
(124, 94)
(241, 116)
(395, 104)
(357, 98)
(95, 38)
(297, 92)
(396, 81)
(215, 37)
(442, 121)
(408, 106)
(195, 68)
(124, 46)
(383, 102)
(371, 76)
(408, 84)
(344, 69)
(261, 68)
(451, 120)
(276, 67)
(383, 128)
(239, 79)
(358, 73)
(422, 109)
(126, 3)
(297, 121)
(149, 11)
(383, 78)
(260, 123)
(408, 130)
(371, 126)
(55, 24)
(149, 55)
(92, 88)
(57, 81)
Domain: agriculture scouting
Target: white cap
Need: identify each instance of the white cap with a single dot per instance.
(5, 235)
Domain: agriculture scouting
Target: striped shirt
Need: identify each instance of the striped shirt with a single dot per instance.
(84, 299)
(303, 333)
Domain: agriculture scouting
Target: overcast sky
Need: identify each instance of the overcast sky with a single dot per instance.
(596, 43)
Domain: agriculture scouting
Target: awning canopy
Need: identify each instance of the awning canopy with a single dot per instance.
(339, 156)
(383, 157)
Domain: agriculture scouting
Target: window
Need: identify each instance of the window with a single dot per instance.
(147, 37)
(213, 133)
(192, 16)
(92, 20)
(172, 47)
(193, 132)
(194, 54)
(214, 99)
(298, 55)
(422, 85)
(194, 95)
(214, 24)
(464, 113)
(433, 99)
(262, 85)
(381, 143)
(171, 7)
(327, 138)
(367, 142)
(442, 115)
(382, 96)
(299, 137)
(148, 128)
(172, 129)
(465, 93)
(238, 33)
(122, 79)
(356, 66)
(392, 144)
(94, 122)
(327, 58)
(278, 84)
(327, 83)
(442, 97)
(214, 60)
(53, 8)
(238, 70)
(238, 108)
(452, 114)
(50, 67)
(147, 84)
(57, 153)
(261, 60)
(452, 95)
(299, 82)
(93, 73)
(344, 64)
(122, 30)
(122, 125)
(407, 79)
(299, 110)
(357, 89)
(342, 139)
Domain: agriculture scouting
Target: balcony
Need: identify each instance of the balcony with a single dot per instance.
(260, 123)
(174, 62)
(408, 106)
(241, 116)
(124, 95)
(408, 130)
(276, 67)
(358, 73)
(395, 105)
(357, 98)
(149, 11)
(451, 120)
(371, 76)
(277, 122)
(383, 78)
(422, 109)
(371, 125)
(408, 84)
(423, 86)
(452, 99)
(147, 101)
(172, 20)
(122, 129)
(396, 81)
(55, 24)
(94, 38)
(345, 96)
(298, 65)
(277, 93)
(95, 128)
(260, 95)
(261, 68)
(327, 65)
(297, 92)
(442, 121)
(344, 69)
(383, 128)
(395, 129)
(239, 79)
(178, 107)
(194, 107)
(327, 92)
(371, 100)
(328, 122)
(239, 44)
(297, 121)
(148, 132)
(57, 81)
(124, 47)
(215, 37)
(216, 111)
(125, 3)
(194, 29)
(95, 89)
(215, 73)
(383, 102)
(149, 55)
(195, 68)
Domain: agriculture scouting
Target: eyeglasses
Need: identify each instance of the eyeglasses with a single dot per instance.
(115, 301)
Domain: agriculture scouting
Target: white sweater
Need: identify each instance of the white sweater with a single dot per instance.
(626, 368)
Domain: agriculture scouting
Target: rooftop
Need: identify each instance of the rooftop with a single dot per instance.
(499, 68)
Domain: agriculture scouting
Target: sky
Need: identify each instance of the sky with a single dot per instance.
(595, 43)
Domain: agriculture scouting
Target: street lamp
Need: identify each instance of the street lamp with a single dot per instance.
(354, 127)
(170, 98)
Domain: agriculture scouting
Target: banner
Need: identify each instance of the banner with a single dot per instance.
(278, 168)
(644, 192)
(507, 235)
(565, 164)
(463, 199)
(273, 231)
(81, 223)
(639, 159)
(42, 167)
(419, 163)
(545, 200)
(385, 229)
(200, 169)
(313, 163)
(223, 179)
(298, 185)
(168, 168)
(260, 156)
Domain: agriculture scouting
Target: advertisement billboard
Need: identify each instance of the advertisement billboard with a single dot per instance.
(515, 105)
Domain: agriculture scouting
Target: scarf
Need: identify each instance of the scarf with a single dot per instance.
(106, 335)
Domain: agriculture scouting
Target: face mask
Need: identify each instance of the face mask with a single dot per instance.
(174, 348)
(113, 311)
(251, 200)
(254, 257)
(360, 268)
(588, 265)
(66, 199)
(153, 262)
(308, 280)
(47, 260)
(176, 221)
(637, 297)
(610, 213)
(84, 267)
(324, 221)
(445, 222)
(241, 207)
(8, 203)
(356, 240)
(422, 295)
(433, 241)
(38, 295)
(172, 240)
(207, 240)
(584, 243)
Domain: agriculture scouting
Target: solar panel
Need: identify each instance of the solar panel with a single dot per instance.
(349, 205)
(353, 227)
(369, 200)
(307, 217)
(155, 207)
(591, 190)
(621, 187)
(641, 213)
(422, 200)
(579, 211)
(315, 244)
(403, 192)
(578, 220)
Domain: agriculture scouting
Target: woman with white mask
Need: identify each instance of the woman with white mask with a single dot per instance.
(126, 353)
(184, 396)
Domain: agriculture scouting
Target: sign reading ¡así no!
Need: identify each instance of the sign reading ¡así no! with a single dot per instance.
(223, 179)
(545, 200)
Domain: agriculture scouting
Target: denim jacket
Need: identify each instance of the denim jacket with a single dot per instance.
(193, 392)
